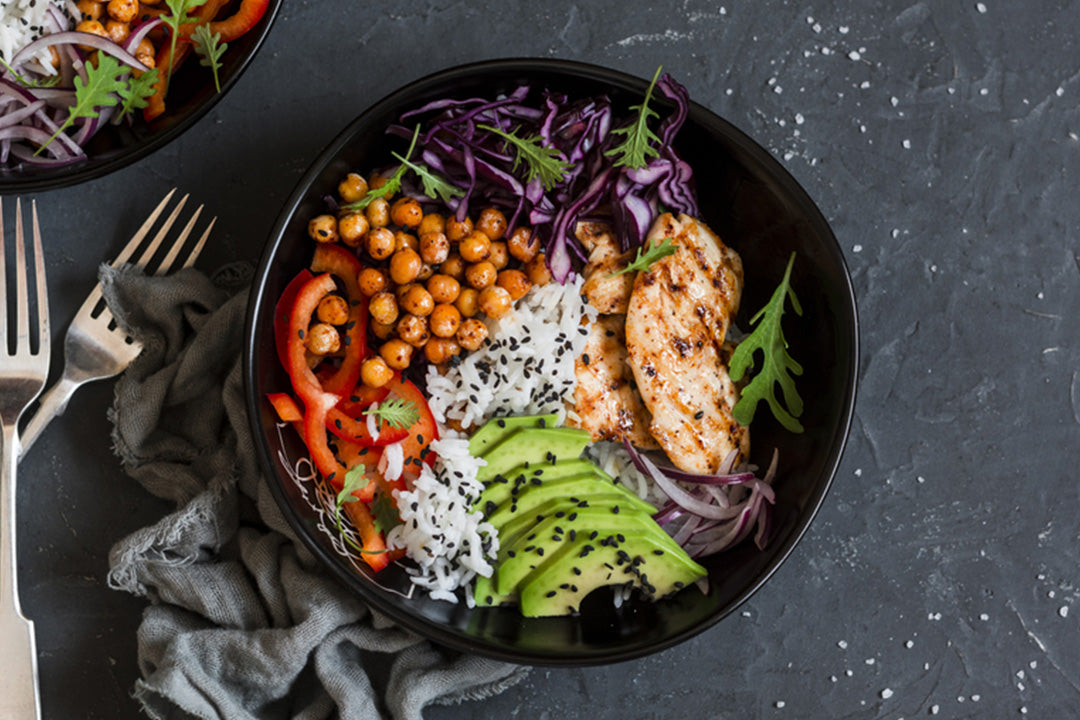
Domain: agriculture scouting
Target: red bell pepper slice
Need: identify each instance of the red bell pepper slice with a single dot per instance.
(422, 432)
(281, 315)
(285, 407)
(249, 13)
(356, 430)
(375, 554)
(335, 259)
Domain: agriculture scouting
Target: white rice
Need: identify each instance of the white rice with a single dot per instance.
(23, 21)
(525, 368)
(449, 544)
(612, 458)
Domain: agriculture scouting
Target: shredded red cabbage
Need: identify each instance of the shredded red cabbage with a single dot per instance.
(478, 162)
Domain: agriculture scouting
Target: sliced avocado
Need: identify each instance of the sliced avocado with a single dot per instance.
(496, 430)
(658, 566)
(532, 445)
(540, 489)
(559, 522)
(499, 489)
(485, 595)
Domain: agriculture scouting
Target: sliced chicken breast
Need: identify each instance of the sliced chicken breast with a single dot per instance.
(605, 400)
(678, 315)
(609, 295)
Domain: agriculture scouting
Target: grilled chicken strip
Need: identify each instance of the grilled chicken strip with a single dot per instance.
(605, 399)
(609, 295)
(677, 318)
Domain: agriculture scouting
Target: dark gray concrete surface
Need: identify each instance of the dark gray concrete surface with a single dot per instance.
(940, 139)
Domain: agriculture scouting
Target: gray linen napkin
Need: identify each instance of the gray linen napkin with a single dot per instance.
(243, 622)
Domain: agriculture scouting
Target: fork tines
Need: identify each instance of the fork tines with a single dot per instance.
(174, 250)
(22, 339)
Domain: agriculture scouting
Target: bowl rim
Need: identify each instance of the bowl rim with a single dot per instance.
(442, 634)
(87, 171)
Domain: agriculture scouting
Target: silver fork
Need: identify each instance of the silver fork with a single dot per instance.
(22, 375)
(95, 347)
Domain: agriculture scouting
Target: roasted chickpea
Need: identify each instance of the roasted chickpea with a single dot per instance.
(382, 330)
(492, 223)
(537, 270)
(374, 372)
(323, 339)
(406, 212)
(91, 26)
(481, 275)
(443, 288)
(400, 290)
(472, 334)
(353, 188)
(453, 266)
(372, 280)
(445, 320)
(514, 282)
(413, 329)
(90, 9)
(333, 309)
(476, 247)
(439, 350)
(523, 244)
(380, 243)
(323, 228)
(417, 301)
(352, 228)
(404, 240)
(495, 301)
(499, 256)
(432, 222)
(468, 302)
(145, 53)
(434, 247)
(123, 10)
(426, 271)
(397, 353)
(405, 265)
(118, 31)
(458, 231)
(376, 181)
(378, 212)
(383, 308)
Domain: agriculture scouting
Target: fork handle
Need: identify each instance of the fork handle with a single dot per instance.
(19, 697)
(52, 403)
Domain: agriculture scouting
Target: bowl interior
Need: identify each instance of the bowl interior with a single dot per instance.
(757, 208)
(191, 95)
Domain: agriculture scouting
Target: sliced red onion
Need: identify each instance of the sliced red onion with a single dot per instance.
(673, 491)
(34, 135)
(74, 37)
(17, 116)
(27, 156)
(138, 34)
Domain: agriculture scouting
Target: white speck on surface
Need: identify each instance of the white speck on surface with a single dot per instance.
(833, 678)
(856, 248)
(854, 55)
(723, 10)
(984, 91)
(777, 89)
(981, 8)
(1033, 664)
(799, 120)
(869, 661)
(1021, 687)
(894, 101)
(886, 694)
(780, 704)
(826, 51)
(909, 644)
(920, 479)
(1060, 91)
(816, 27)
(934, 709)
(1020, 674)
(842, 644)
(809, 20)
(789, 155)
(907, 144)
(926, 666)
(1063, 611)
(976, 698)
(1023, 710)
(746, 613)
(864, 84)
(843, 29)
(1040, 296)
(933, 616)
(960, 698)
(984, 617)
(849, 672)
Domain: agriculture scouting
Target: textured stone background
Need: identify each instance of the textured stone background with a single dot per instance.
(940, 140)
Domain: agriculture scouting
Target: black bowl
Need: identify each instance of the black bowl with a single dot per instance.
(191, 95)
(759, 209)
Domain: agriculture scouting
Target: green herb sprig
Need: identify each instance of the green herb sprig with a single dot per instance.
(638, 147)
(392, 184)
(102, 88)
(178, 15)
(777, 367)
(396, 412)
(137, 92)
(647, 255)
(355, 480)
(209, 48)
(45, 82)
(546, 163)
(434, 185)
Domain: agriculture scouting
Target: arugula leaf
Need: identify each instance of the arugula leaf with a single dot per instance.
(396, 413)
(768, 337)
(45, 82)
(638, 145)
(651, 254)
(355, 479)
(134, 95)
(392, 185)
(209, 49)
(384, 513)
(101, 89)
(546, 163)
(178, 15)
(434, 185)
